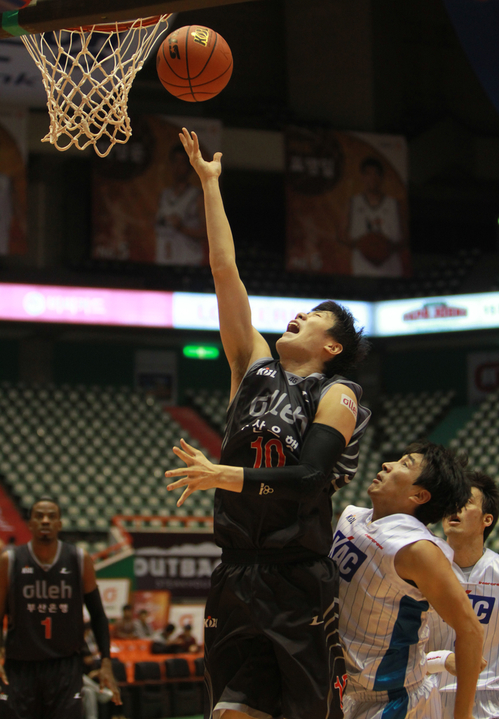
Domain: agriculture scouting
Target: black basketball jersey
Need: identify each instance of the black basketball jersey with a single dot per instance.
(45, 605)
(267, 422)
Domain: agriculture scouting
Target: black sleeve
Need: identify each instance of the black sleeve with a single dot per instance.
(99, 622)
(322, 448)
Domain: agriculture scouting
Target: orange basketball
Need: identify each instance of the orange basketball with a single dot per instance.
(194, 63)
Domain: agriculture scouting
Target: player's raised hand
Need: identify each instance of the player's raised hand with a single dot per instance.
(200, 473)
(204, 169)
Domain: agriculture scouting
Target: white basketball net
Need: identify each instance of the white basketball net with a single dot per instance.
(87, 74)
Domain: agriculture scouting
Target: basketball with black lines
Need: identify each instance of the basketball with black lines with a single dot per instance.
(194, 63)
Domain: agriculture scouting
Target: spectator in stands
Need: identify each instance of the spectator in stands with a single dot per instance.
(166, 634)
(127, 627)
(185, 640)
(144, 627)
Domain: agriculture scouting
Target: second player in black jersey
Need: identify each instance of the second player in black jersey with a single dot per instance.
(43, 587)
(294, 424)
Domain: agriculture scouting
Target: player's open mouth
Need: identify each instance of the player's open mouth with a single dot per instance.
(293, 327)
(454, 520)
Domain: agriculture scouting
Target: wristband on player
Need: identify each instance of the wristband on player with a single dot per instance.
(435, 661)
(322, 448)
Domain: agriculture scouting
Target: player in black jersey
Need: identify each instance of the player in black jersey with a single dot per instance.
(43, 586)
(292, 439)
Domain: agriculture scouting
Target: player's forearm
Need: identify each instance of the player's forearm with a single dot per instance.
(468, 652)
(221, 243)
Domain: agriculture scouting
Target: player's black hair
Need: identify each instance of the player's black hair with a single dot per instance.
(443, 475)
(355, 345)
(126, 606)
(490, 497)
(45, 498)
(372, 162)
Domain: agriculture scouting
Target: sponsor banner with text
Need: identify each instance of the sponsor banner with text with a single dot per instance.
(452, 313)
(177, 562)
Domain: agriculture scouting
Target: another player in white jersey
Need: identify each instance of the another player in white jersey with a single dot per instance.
(477, 570)
(373, 214)
(391, 569)
(180, 223)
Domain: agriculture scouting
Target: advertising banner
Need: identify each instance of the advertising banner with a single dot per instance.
(115, 594)
(147, 199)
(346, 197)
(177, 562)
(452, 313)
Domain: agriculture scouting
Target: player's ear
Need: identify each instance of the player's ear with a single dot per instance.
(422, 496)
(488, 519)
(333, 347)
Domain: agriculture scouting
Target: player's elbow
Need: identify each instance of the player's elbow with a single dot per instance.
(470, 633)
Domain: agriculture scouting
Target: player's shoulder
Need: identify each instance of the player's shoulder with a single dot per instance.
(490, 559)
(353, 514)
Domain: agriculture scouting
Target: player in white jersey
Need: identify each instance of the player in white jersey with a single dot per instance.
(391, 568)
(477, 570)
(372, 212)
(180, 224)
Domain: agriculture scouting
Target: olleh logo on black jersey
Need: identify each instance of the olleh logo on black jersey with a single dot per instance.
(42, 590)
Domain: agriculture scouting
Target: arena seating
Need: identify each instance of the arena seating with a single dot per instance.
(157, 685)
(103, 451)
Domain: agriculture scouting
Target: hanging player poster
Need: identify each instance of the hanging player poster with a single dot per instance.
(147, 201)
(13, 183)
(346, 203)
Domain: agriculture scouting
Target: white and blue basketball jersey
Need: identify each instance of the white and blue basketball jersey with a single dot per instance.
(482, 588)
(383, 619)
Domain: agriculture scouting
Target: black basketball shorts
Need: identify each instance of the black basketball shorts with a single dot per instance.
(271, 641)
(49, 689)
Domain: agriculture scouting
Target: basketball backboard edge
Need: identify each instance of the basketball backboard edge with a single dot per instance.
(49, 15)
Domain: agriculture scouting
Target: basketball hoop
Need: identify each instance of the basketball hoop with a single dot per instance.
(87, 73)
